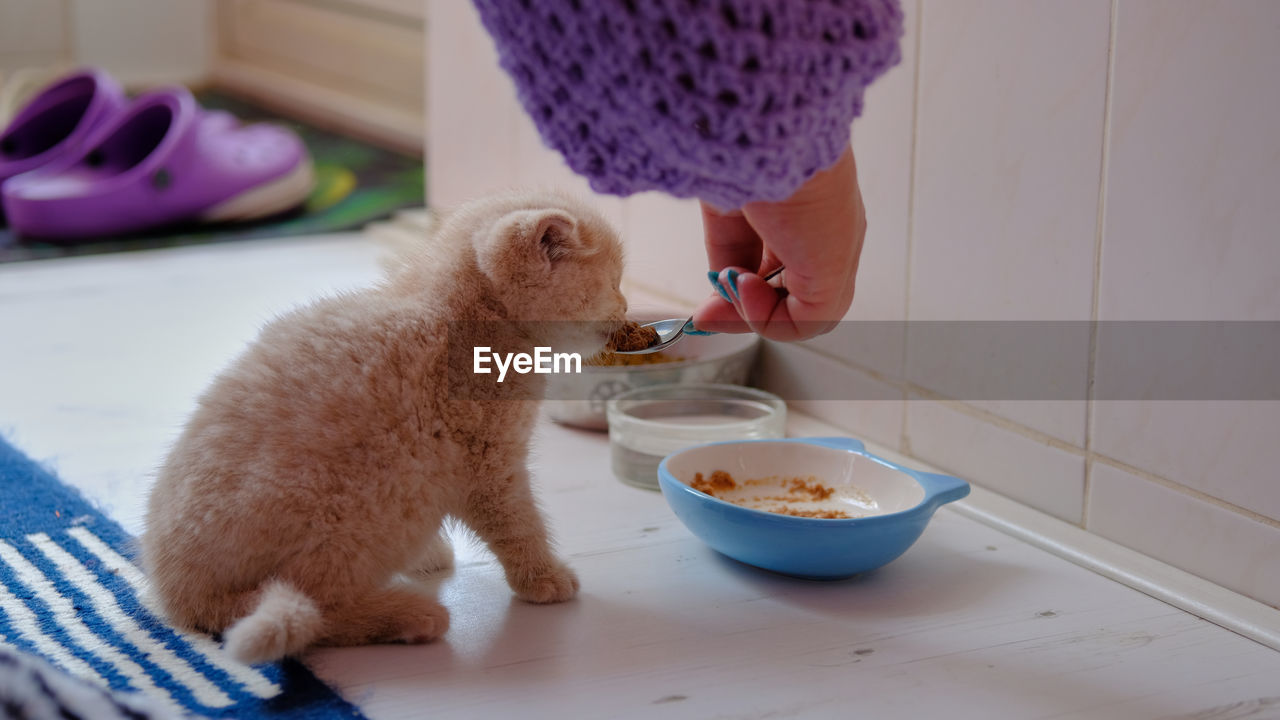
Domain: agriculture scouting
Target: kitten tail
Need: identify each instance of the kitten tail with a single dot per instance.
(284, 623)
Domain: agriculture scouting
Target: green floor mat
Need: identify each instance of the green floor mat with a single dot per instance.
(356, 183)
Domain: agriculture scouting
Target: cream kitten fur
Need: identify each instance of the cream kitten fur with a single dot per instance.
(317, 469)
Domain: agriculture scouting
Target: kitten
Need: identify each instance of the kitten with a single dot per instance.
(318, 467)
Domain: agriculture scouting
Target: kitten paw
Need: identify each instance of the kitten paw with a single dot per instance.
(551, 585)
(437, 558)
(424, 628)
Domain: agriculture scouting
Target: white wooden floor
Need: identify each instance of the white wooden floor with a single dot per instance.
(101, 358)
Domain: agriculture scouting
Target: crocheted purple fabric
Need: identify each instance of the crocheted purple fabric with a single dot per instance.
(725, 100)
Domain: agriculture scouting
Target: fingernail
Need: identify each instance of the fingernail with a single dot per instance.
(714, 277)
(690, 330)
(733, 283)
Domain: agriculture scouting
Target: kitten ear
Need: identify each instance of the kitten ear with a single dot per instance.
(527, 240)
(558, 235)
(555, 232)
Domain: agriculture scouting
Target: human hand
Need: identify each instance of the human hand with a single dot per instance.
(816, 234)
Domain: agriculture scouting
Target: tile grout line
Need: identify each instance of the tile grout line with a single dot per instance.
(904, 439)
(1198, 495)
(998, 421)
(1090, 456)
(1103, 170)
(878, 376)
(1030, 433)
(960, 406)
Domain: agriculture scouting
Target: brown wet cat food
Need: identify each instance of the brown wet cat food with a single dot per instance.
(633, 336)
(797, 497)
(630, 337)
(814, 491)
(718, 482)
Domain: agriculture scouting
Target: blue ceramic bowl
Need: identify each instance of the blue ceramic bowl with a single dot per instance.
(895, 504)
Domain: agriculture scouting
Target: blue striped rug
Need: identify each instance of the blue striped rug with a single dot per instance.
(69, 593)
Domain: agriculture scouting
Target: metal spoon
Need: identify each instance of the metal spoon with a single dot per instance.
(671, 330)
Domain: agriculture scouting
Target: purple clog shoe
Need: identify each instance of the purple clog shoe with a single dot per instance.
(57, 120)
(162, 161)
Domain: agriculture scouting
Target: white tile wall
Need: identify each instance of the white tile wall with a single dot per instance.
(1224, 449)
(539, 165)
(1030, 160)
(832, 391)
(664, 247)
(1024, 468)
(1191, 227)
(32, 33)
(1191, 533)
(1009, 155)
(1008, 167)
(473, 116)
(1194, 169)
(143, 42)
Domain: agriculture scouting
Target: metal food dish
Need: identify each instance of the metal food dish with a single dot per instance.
(896, 502)
(579, 399)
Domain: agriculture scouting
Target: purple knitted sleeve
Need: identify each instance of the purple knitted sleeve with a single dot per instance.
(729, 101)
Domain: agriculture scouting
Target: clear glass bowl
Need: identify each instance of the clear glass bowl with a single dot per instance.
(649, 423)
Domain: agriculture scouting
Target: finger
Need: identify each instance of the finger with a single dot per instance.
(768, 263)
(777, 314)
(772, 312)
(722, 317)
(730, 240)
(762, 305)
(717, 316)
(817, 234)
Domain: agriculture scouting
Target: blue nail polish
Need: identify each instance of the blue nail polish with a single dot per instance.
(714, 277)
(733, 284)
(688, 329)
